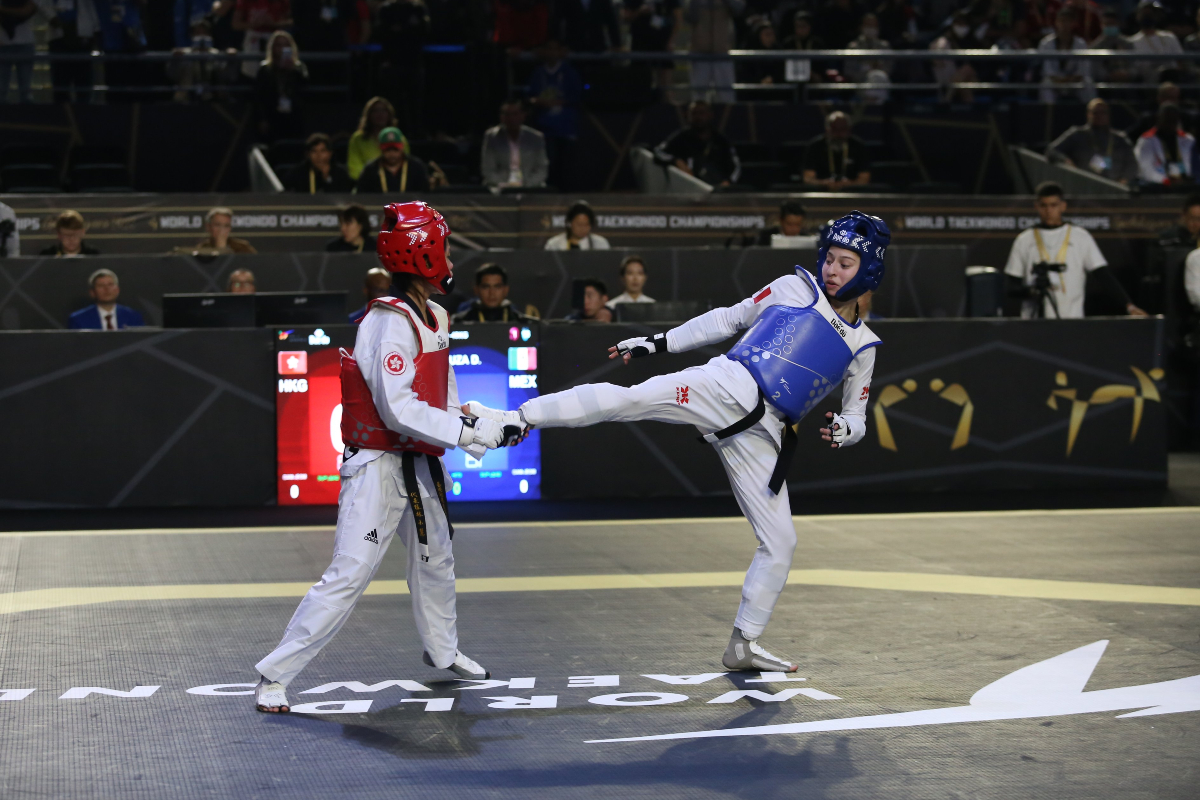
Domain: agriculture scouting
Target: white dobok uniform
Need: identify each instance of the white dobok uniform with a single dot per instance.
(373, 504)
(714, 396)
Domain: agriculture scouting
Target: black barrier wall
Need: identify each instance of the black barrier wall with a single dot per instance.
(956, 406)
(41, 293)
(137, 418)
(160, 418)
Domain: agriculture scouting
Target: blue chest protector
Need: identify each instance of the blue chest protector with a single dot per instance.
(796, 357)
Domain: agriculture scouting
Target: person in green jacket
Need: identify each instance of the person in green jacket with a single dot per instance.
(377, 114)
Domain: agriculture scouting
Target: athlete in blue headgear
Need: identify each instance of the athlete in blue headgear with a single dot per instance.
(803, 337)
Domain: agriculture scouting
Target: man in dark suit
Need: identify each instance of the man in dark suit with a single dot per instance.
(106, 314)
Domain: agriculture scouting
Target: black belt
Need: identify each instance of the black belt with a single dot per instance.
(408, 467)
(787, 448)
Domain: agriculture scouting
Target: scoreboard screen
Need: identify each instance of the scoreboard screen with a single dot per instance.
(494, 363)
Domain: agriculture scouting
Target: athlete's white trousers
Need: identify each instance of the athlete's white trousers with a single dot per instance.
(373, 504)
(749, 458)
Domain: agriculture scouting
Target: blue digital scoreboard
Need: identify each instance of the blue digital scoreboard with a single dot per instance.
(496, 364)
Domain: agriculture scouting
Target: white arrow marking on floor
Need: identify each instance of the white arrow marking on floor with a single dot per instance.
(1050, 688)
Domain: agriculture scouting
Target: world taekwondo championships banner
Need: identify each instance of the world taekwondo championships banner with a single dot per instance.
(140, 223)
(188, 417)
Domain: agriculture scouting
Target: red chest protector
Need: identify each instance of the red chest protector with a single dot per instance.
(362, 426)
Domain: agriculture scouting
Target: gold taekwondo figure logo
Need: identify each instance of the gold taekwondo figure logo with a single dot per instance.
(954, 393)
(1140, 393)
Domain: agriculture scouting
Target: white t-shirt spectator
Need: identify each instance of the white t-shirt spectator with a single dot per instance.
(1191, 278)
(624, 297)
(590, 242)
(1157, 42)
(1066, 244)
(12, 247)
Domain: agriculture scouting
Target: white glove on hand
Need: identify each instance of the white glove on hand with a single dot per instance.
(643, 346)
(482, 432)
(836, 430)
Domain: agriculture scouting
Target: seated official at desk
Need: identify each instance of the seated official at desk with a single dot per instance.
(633, 279)
(491, 303)
(378, 283)
(70, 228)
(791, 223)
(106, 314)
(354, 224)
(595, 296)
(1051, 264)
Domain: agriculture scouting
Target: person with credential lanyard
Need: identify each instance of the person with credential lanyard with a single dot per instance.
(395, 170)
(803, 337)
(1096, 146)
(1164, 153)
(1051, 264)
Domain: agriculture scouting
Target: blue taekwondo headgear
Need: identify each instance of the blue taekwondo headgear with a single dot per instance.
(866, 235)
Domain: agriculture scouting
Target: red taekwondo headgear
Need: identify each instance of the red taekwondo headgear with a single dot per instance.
(414, 239)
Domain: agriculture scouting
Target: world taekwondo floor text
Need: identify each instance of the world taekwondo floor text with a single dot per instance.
(962, 655)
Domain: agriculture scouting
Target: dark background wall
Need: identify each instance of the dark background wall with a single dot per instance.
(170, 418)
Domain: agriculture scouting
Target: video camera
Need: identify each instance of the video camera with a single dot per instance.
(1041, 272)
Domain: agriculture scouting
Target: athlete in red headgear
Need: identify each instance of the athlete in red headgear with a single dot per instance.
(400, 413)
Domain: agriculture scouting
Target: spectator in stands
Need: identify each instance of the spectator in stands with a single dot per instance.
(1096, 147)
(10, 238)
(377, 114)
(957, 36)
(491, 303)
(633, 280)
(867, 39)
(402, 31)
(1187, 232)
(802, 70)
(106, 314)
(1192, 43)
(762, 72)
(241, 281)
(1150, 39)
(1061, 71)
(187, 14)
(72, 32)
(1164, 153)
(837, 159)
(378, 283)
(791, 223)
(259, 21)
(70, 229)
(219, 223)
(17, 19)
(838, 21)
(595, 298)
(578, 236)
(712, 23)
(1110, 38)
(278, 89)
(198, 78)
(1059, 294)
(513, 155)
(317, 172)
(587, 26)
(652, 28)
(700, 150)
(556, 91)
(395, 170)
(1168, 92)
(354, 223)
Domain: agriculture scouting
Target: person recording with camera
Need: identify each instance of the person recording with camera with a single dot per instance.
(1051, 264)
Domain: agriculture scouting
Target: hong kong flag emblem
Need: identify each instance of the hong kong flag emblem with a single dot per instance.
(394, 363)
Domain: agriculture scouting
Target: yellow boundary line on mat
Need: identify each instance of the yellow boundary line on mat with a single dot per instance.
(591, 523)
(41, 599)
